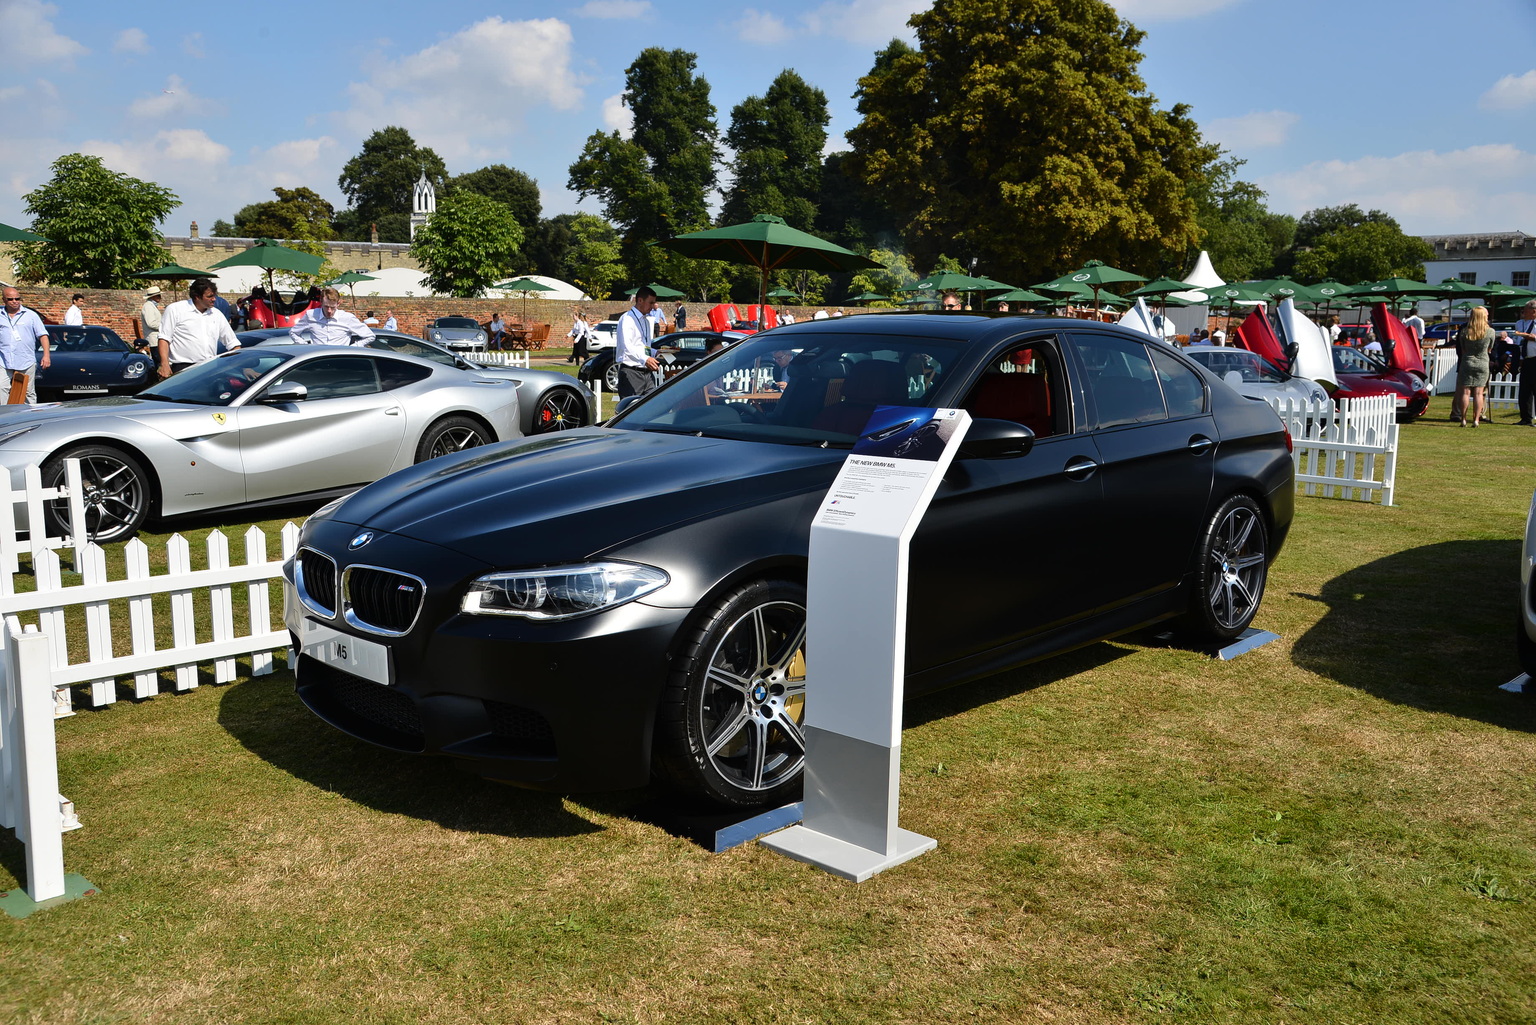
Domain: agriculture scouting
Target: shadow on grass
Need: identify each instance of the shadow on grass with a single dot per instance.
(265, 715)
(963, 697)
(1430, 627)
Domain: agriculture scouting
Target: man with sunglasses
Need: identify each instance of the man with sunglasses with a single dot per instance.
(22, 335)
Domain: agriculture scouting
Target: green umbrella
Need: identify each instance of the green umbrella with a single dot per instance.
(524, 285)
(662, 291)
(1285, 288)
(350, 278)
(175, 272)
(1020, 295)
(270, 256)
(1094, 274)
(868, 297)
(1163, 286)
(767, 243)
(10, 234)
(783, 293)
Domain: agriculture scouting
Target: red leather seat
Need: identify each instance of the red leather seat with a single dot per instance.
(1023, 398)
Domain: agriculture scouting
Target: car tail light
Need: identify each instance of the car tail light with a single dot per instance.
(1290, 443)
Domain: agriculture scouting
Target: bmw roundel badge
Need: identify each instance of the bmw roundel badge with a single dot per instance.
(360, 540)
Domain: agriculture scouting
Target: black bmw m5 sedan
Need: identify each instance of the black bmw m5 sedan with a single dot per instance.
(597, 608)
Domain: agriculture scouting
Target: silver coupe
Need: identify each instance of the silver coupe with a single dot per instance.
(254, 427)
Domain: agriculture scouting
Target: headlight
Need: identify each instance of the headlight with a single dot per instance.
(562, 592)
(135, 370)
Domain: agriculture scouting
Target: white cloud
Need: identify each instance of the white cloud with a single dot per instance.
(131, 40)
(871, 22)
(175, 100)
(192, 46)
(1253, 130)
(614, 9)
(1481, 188)
(462, 96)
(27, 28)
(1139, 11)
(1510, 92)
(617, 117)
(761, 27)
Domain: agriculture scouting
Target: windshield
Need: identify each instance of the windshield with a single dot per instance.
(1253, 368)
(219, 381)
(456, 322)
(1353, 361)
(800, 388)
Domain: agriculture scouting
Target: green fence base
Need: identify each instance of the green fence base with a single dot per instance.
(17, 904)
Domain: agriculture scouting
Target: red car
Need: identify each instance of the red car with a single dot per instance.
(1361, 374)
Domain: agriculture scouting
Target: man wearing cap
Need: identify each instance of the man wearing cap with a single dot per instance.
(193, 330)
(72, 316)
(329, 324)
(1525, 335)
(24, 334)
(149, 317)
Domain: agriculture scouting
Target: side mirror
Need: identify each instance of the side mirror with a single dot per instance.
(996, 439)
(285, 391)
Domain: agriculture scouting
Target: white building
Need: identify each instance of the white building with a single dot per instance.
(1500, 257)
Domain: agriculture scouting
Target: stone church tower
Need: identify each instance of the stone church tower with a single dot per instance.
(423, 203)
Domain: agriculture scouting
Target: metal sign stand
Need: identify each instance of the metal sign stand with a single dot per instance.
(856, 620)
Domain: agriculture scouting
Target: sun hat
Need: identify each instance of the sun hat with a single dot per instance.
(151, 291)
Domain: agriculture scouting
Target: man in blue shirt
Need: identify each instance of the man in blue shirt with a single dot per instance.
(632, 346)
(24, 334)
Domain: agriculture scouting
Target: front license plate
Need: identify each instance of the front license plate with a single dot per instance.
(1402, 401)
(368, 659)
(85, 389)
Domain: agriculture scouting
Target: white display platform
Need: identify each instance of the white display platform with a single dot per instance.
(856, 619)
(1517, 685)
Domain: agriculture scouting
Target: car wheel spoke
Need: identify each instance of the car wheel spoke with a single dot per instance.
(730, 729)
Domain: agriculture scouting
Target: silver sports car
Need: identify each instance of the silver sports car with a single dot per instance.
(547, 400)
(255, 427)
(461, 334)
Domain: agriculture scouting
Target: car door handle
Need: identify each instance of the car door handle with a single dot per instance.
(1080, 467)
(392, 411)
(1199, 445)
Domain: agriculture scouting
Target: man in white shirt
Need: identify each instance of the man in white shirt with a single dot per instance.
(632, 346)
(1416, 322)
(329, 324)
(193, 330)
(72, 316)
(389, 321)
(150, 317)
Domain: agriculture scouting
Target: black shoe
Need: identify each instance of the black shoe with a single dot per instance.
(1523, 423)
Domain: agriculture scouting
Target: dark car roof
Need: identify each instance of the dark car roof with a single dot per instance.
(978, 328)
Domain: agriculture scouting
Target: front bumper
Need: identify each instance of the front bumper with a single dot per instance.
(566, 706)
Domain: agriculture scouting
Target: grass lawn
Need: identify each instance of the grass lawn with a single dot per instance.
(1339, 827)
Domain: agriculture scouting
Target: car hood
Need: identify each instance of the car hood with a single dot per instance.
(145, 411)
(579, 493)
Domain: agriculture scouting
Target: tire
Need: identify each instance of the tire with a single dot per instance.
(1231, 570)
(1526, 649)
(611, 378)
(560, 410)
(451, 434)
(729, 724)
(119, 494)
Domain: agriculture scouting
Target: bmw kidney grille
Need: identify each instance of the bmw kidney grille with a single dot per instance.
(380, 600)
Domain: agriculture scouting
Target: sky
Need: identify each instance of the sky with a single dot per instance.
(1423, 109)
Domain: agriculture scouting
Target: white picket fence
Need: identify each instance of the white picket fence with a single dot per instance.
(1345, 449)
(503, 358)
(33, 497)
(1503, 389)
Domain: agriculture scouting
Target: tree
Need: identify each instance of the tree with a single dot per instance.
(778, 139)
(295, 213)
(1245, 240)
(848, 212)
(1368, 251)
(592, 260)
(1019, 133)
(468, 245)
(1323, 221)
(380, 183)
(101, 226)
(654, 186)
(506, 185)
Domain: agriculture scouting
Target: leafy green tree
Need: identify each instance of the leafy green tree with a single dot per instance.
(655, 185)
(295, 213)
(303, 236)
(592, 260)
(380, 181)
(468, 245)
(507, 185)
(223, 229)
(1018, 132)
(848, 212)
(1323, 221)
(1246, 241)
(778, 139)
(101, 226)
(1365, 252)
(896, 275)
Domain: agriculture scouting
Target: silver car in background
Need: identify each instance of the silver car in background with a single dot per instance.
(1252, 375)
(254, 427)
(461, 334)
(1525, 634)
